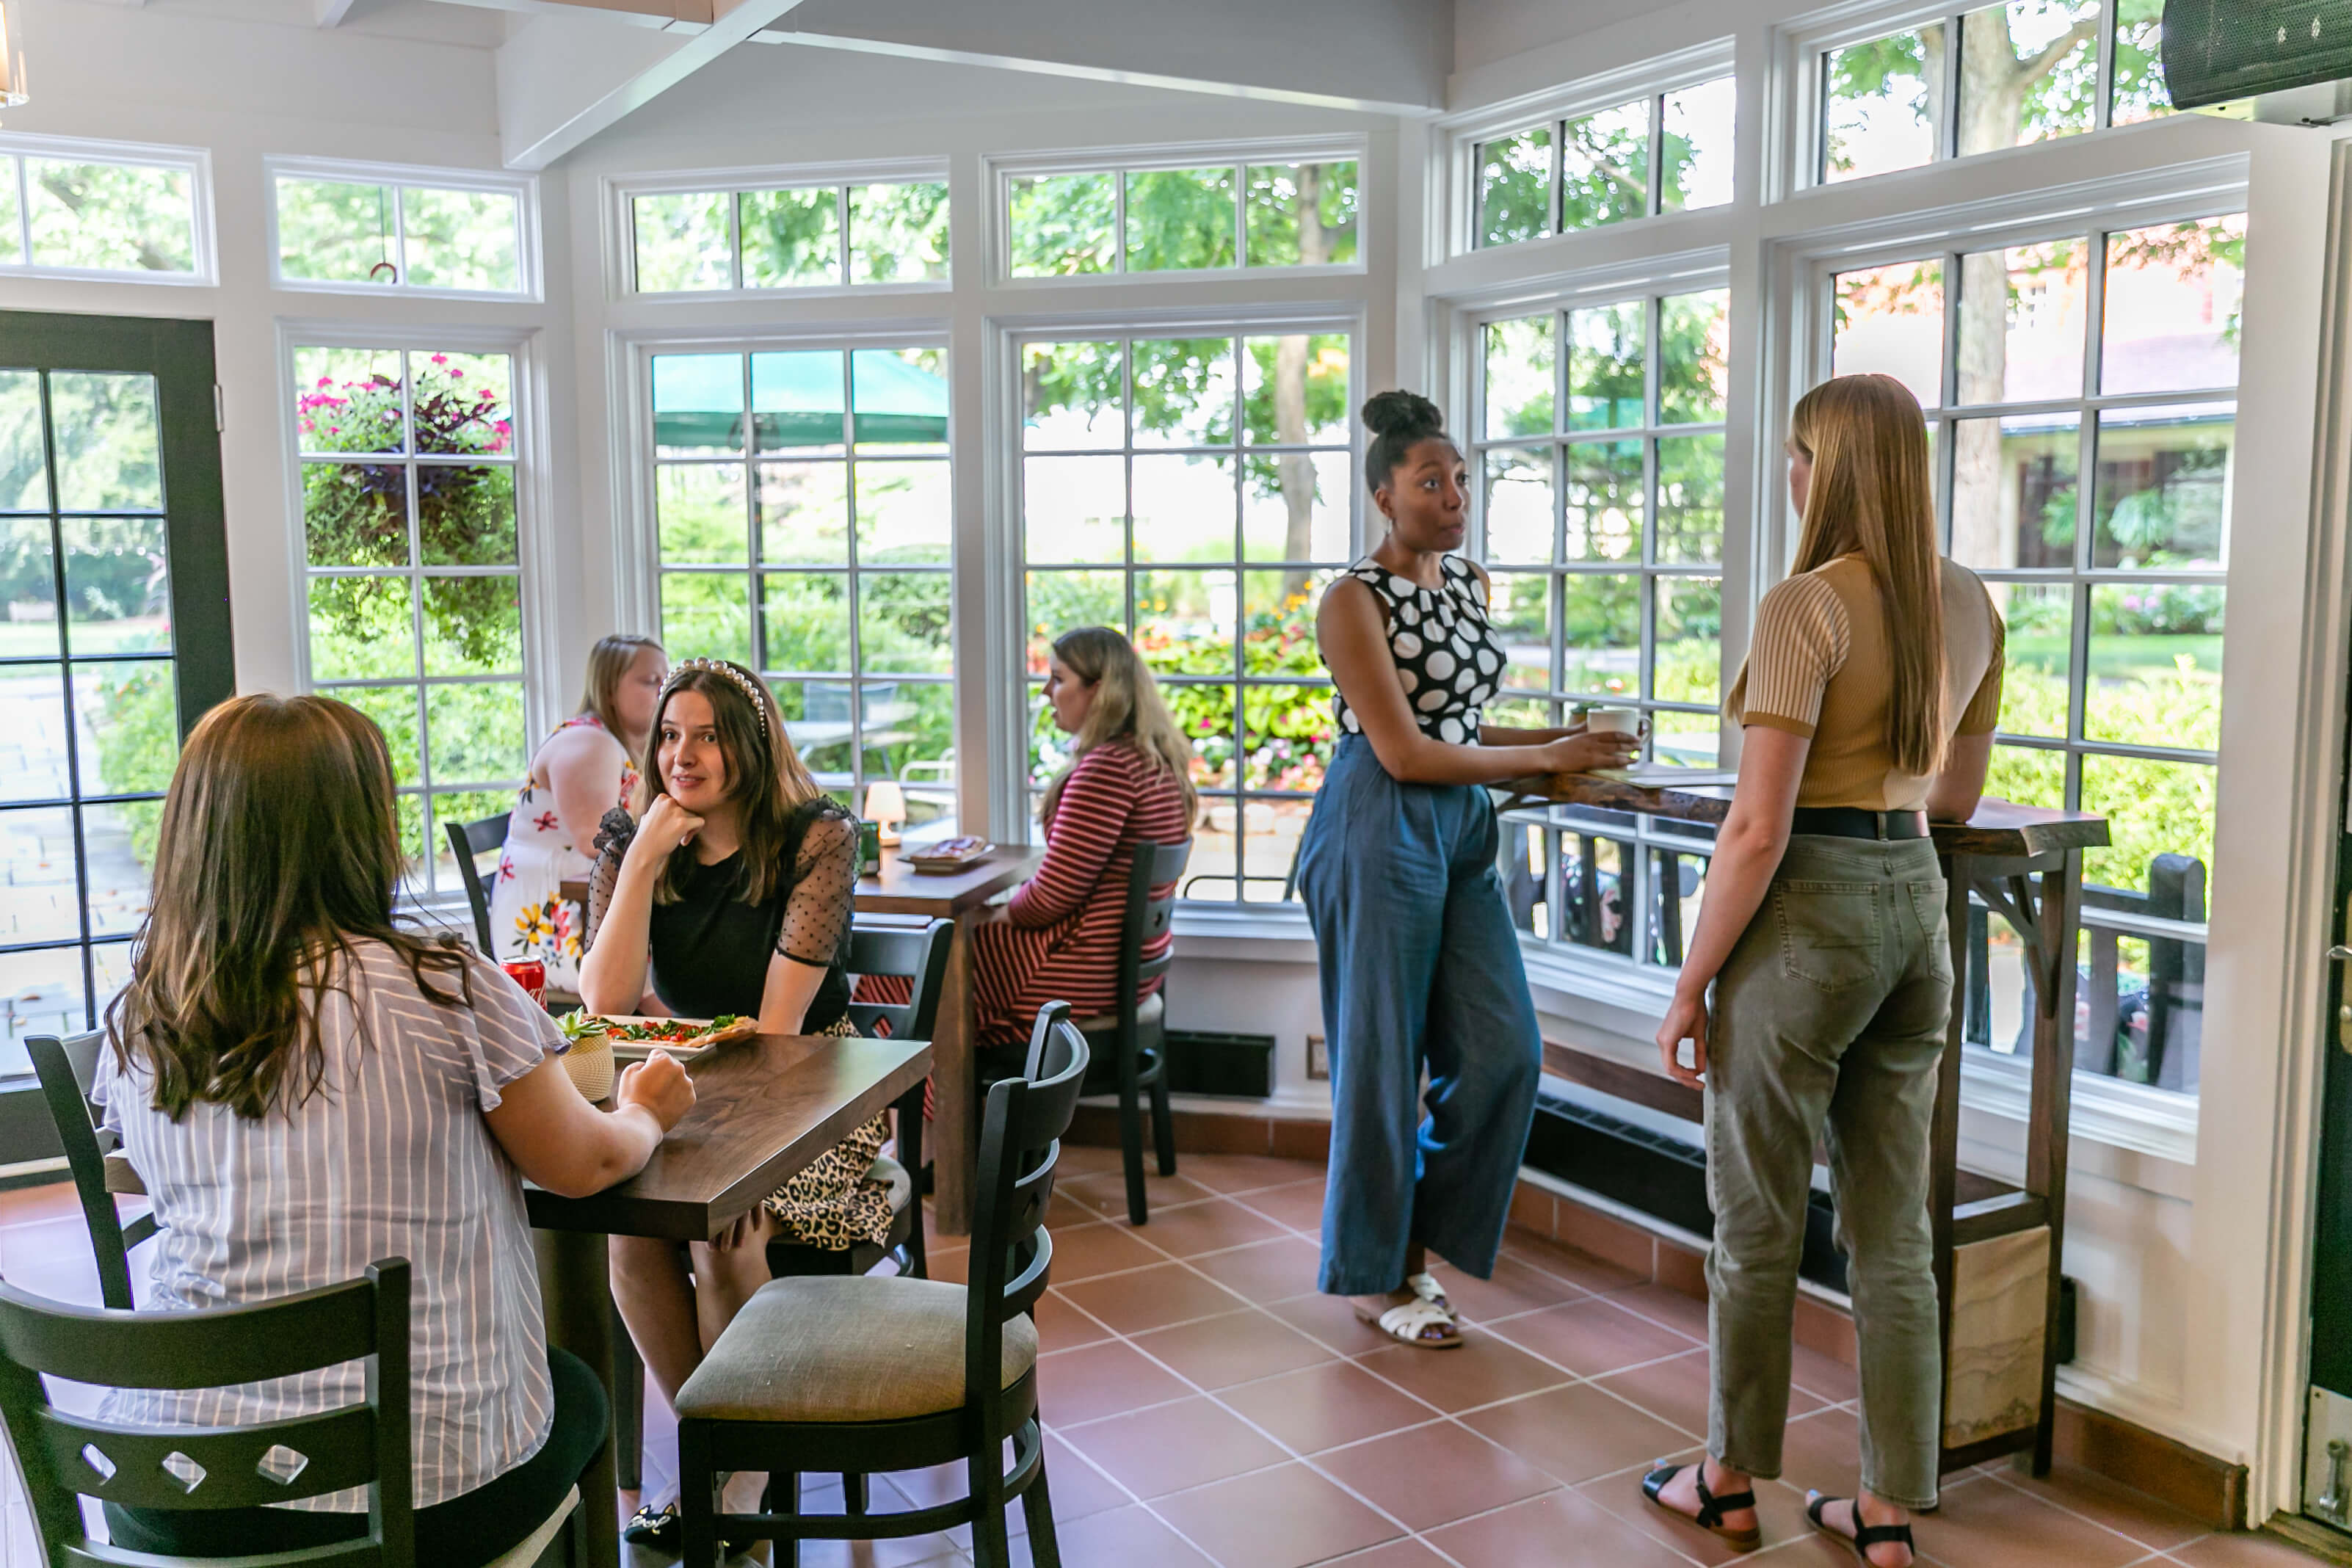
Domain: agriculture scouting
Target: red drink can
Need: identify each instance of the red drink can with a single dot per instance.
(531, 976)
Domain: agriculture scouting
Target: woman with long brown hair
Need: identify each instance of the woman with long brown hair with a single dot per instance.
(588, 766)
(307, 1086)
(1868, 702)
(729, 892)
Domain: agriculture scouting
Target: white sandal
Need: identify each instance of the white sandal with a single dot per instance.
(1408, 1322)
(1426, 1286)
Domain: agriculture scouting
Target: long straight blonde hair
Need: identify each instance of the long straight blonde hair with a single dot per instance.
(1870, 492)
(1128, 705)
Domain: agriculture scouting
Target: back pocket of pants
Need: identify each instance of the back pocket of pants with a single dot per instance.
(1828, 931)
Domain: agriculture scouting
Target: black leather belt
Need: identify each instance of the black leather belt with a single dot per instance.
(1852, 821)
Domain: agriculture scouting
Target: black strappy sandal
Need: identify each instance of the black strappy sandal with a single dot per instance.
(1711, 1507)
(1864, 1536)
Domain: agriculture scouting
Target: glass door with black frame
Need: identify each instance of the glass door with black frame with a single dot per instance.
(114, 637)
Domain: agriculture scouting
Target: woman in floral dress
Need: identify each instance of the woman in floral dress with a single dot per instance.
(582, 770)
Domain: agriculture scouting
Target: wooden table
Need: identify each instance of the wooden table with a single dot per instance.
(898, 889)
(1997, 1255)
(765, 1110)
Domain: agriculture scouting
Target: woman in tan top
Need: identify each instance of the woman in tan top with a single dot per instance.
(1868, 704)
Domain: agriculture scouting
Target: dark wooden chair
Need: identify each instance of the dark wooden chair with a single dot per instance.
(467, 840)
(1135, 1036)
(67, 1068)
(869, 1373)
(66, 1458)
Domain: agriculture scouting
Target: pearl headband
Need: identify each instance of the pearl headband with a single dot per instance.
(735, 673)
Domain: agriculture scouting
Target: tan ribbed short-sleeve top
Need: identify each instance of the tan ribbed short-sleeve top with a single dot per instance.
(1819, 667)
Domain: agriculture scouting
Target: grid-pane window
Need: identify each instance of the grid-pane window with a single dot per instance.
(1598, 460)
(804, 506)
(89, 705)
(794, 238)
(2030, 70)
(356, 233)
(2081, 395)
(1657, 154)
(412, 579)
(1218, 217)
(91, 214)
(1198, 493)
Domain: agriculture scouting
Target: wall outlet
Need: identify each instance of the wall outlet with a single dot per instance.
(1318, 1060)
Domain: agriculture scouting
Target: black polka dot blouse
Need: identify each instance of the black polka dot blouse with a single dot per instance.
(1446, 656)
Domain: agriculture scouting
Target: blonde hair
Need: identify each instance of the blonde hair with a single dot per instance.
(1871, 493)
(608, 666)
(1127, 706)
(765, 776)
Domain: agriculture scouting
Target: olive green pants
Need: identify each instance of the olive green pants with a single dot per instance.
(1831, 1009)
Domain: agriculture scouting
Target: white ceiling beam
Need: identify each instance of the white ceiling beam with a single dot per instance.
(332, 13)
(563, 78)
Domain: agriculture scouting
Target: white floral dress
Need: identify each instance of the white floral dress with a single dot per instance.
(529, 918)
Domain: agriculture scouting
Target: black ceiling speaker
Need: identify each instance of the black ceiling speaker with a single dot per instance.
(2215, 50)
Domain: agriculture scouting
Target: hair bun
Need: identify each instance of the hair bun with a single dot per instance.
(1402, 417)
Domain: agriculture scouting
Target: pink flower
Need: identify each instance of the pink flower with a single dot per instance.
(440, 359)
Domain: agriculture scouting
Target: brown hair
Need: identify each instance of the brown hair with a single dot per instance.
(765, 776)
(279, 849)
(608, 665)
(1871, 493)
(1127, 706)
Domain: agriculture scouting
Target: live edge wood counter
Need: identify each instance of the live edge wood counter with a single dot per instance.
(1997, 1256)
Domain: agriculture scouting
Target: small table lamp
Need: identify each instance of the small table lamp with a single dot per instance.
(886, 807)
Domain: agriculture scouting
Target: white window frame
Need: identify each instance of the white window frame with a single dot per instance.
(998, 173)
(195, 162)
(524, 188)
(1456, 200)
(619, 225)
(545, 680)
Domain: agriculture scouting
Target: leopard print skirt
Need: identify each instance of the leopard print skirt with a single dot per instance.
(831, 1205)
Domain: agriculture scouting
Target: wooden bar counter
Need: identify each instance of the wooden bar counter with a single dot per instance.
(1997, 1258)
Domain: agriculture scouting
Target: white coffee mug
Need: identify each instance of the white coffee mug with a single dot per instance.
(1613, 722)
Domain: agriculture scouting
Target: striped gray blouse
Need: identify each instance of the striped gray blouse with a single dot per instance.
(390, 1159)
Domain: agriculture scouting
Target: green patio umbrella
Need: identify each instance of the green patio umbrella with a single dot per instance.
(796, 399)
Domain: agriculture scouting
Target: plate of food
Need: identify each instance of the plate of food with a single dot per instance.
(950, 853)
(634, 1037)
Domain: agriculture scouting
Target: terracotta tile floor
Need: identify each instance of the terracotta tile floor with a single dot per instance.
(1206, 1408)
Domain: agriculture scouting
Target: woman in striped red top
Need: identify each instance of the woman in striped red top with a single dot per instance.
(1129, 781)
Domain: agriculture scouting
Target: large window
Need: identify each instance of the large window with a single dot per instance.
(2081, 395)
(793, 236)
(1599, 456)
(412, 574)
(804, 508)
(340, 228)
(1657, 154)
(1198, 493)
(76, 208)
(88, 694)
(2030, 70)
(1217, 216)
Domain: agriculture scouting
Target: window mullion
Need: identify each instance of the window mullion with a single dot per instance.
(855, 578)
(2103, 112)
(1655, 196)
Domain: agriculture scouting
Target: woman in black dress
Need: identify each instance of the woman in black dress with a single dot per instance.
(730, 891)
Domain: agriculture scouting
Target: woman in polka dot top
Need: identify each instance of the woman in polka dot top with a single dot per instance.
(1421, 964)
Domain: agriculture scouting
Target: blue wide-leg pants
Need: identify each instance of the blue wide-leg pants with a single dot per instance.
(1421, 969)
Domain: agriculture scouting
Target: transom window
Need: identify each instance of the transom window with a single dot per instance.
(413, 576)
(91, 212)
(346, 230)
(1189, 219)
(2031, 70)
(1198, 493)
(1655, 154)
(1599, 456)
(792, 236)
(2081, 394)
(803, 504)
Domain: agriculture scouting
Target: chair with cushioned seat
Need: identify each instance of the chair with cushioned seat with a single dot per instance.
(1135, 1037)
(67, 1068)
(67, 1457)
(875, 1374)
